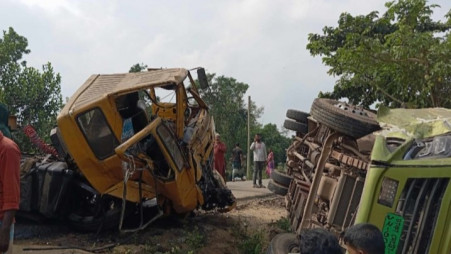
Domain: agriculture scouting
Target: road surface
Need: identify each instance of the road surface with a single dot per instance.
(243, 190)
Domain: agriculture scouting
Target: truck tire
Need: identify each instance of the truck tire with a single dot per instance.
(295, 126)
(344, 118)
(89, 212)
(277, 188)
(297, 115)
(283, 243)
(107, 221)
(281, 178)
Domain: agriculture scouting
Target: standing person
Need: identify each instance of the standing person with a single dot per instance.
(237, 158)
(219, 156)
(270, 162)
(364, 238)
(9, 191)
(259, 149)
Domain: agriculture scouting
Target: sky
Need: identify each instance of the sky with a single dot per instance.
(258, 42)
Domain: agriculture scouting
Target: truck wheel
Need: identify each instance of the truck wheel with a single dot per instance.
(88, 211)
(342, 117)
(283, 243)
(277, 188)
(297, 115)
(295, 126)
(107, 221)
(281, 178)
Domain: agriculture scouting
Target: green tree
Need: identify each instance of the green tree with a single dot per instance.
(12, 48)
(33, 96)
(398, 59)
(226, 98)
(138, 67)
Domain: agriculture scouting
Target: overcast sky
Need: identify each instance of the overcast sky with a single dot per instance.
(258, 42)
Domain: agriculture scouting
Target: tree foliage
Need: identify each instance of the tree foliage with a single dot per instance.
(33, 96)
(229, 107)
(12, 48)
(225, 97)
(400, 58)
(138, 67)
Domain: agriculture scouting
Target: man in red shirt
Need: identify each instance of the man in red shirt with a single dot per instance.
(219, 153)
(9, 190)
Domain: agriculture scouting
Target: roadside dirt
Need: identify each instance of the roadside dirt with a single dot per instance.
(253, 222)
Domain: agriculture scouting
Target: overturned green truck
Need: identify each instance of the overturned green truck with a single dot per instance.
(393, 170)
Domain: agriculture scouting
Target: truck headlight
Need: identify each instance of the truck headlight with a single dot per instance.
(388, 192)
(442, 145)
(438, 146)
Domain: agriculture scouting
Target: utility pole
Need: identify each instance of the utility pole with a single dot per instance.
(248, 136)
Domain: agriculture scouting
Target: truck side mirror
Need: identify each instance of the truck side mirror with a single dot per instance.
(202, 77)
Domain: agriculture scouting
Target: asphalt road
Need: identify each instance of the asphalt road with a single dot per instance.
(242, 190)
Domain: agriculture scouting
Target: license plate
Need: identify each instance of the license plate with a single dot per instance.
(391, 231)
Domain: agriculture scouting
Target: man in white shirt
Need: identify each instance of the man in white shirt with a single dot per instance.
(259, 149)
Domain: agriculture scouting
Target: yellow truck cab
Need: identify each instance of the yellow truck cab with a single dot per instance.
(138, 138)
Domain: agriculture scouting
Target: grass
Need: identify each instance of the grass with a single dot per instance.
(284, 224)
(248, 242)
(252, 243)
(195, 239)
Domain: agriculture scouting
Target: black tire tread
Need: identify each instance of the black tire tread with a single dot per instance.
(89, 224)
(297, 115)
(277, 188)
(283, 243)
(281, 178)
(354, 125)
(295, 126)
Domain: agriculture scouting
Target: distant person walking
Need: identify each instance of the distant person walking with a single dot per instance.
(237, 158)
(270, 162)
(259, 149)
(219, 156)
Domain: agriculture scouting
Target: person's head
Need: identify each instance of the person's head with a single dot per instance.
(318, 241)
(4, 114)
(217, 137)
(364, 238)
(237, 144)
(258, 137)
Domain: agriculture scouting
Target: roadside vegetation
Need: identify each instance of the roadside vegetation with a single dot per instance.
(32, 95)
(399, 58)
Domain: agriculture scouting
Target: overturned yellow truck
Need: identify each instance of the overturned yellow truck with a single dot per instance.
(131, 146)
(348, 165)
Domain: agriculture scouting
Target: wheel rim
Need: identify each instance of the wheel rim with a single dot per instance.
(353, 109)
